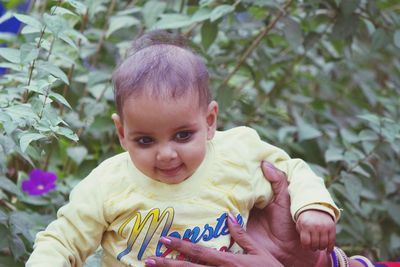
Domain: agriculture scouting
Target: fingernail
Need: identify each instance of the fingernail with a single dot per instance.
(165, 240)
(150, 262)
(232, 218)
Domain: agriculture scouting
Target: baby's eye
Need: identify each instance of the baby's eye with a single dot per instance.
(144, 140)
(183, 136)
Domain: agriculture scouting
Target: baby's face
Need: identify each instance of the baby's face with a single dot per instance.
(166, 139)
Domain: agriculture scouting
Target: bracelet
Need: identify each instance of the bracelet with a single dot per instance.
(339, 258)
(363, 260)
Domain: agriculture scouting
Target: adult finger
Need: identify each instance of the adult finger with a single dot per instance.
(194, 251)
(241, 237)
(163, 262)
(278, 181)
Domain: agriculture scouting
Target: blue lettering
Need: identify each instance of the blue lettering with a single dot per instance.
(225, 229)
(207, 236)
(192, 234)
(220, 221)
(239, 219)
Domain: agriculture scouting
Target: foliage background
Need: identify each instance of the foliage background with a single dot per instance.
(319, 78)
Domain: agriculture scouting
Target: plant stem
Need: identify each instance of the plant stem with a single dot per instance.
(38, 45)
(103, 34)
(255, 43)
(65, 89)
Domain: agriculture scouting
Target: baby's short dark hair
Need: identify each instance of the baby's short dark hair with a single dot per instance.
(161, 65)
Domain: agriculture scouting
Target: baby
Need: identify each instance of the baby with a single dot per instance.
(180, 177)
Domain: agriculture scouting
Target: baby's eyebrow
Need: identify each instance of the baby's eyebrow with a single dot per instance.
(186, 126)
(136, 133)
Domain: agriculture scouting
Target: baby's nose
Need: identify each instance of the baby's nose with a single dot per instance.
(166, 153)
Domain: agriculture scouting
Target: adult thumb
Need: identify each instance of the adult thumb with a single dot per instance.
(278, 180)
(241, 237)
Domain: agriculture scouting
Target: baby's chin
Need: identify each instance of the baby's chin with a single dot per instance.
(174, 178)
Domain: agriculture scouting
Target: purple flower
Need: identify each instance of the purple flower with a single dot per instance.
(40, 182)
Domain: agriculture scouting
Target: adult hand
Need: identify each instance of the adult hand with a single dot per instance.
(273, 227)
(203, 256)
(271, 238)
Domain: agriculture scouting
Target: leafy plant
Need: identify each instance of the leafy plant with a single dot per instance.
(318, 78)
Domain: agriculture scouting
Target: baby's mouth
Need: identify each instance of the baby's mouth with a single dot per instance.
(171, 171)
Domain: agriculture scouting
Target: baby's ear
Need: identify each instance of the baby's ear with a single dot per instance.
(212, 114)
(119, 128)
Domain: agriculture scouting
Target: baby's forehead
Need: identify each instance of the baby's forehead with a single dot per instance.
(170, 95)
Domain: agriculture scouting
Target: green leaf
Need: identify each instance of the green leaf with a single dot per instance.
(379, 39)
(53, 70)
(201, 15)
(311, 39)
(68, 40)
(172, 21)
(34, 200)
(7, 185)
(396, 38)
(151, 12)
(77, 154)
(334, 154)
(345, 26)
(11, 66)
(58, 10)
(368, 135)
(209, 32)
(129, 11)
(29, 20)
(119, 22)
(17, 246)
(353, 187)
(20, 223)
(56, 24)
(11, 54)
(21, 111)
(78, 5)
(95, 259)
(293, 33)
(394, 211)
(372, 118)
(39, 86)
(27, 138)
(353, 156)
(349, 6)
(67, 133)
(348, 136)
(3, 218)
(361, 171)
(221, 11)
(307, 131)
(394, 241)
(59, 98)
(28, 53)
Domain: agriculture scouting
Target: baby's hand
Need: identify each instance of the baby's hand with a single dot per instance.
(317, 230)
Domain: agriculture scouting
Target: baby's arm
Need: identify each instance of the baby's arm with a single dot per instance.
(76, 233)
(317, 230)
(314, 211)
(312, 207)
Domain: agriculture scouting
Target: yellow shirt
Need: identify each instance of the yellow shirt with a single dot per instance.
(126, 212)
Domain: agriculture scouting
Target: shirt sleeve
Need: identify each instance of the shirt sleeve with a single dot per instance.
(306, 189)
(77, 231)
